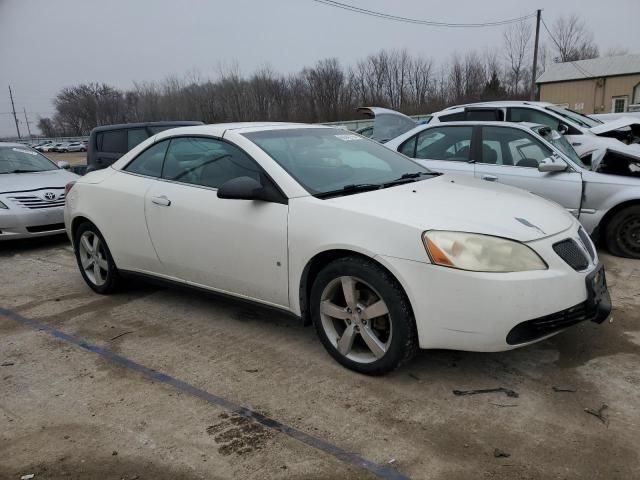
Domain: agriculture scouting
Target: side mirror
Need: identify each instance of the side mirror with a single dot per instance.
(64, 165)
(563, 129)
(551, 165)
(242, 188)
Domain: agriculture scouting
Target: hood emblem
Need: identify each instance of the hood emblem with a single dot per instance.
(527, 223)
(50, 196)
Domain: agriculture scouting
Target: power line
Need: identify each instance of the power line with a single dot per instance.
(416, 21)
(577, 67)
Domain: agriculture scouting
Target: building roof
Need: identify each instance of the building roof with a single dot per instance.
(594, 68)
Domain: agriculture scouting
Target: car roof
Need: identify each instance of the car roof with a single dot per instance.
(120, 126)
(218, 129)
(503, 103)
(493, 123)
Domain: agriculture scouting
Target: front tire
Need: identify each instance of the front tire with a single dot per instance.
(94, 259)
(622, 234)
(363, 317)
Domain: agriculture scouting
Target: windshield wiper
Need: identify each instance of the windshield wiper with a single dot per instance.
(410, 177)
(351, 188)
(22, 171)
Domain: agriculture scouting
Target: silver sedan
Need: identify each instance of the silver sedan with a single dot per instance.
(32, 191)
(604, 194)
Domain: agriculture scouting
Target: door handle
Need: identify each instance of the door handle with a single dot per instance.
(489, 178)
(162, 201)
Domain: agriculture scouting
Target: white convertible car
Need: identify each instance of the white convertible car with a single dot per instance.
(383, 255)
(31, 193)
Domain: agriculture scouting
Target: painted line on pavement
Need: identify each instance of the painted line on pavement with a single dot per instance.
(349, 458)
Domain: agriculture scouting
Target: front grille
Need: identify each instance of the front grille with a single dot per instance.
(587, 242)
(45, 228)
(36, 203)
(571, 253)
(540, 327)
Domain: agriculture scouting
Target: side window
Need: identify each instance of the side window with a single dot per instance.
(114, 141)
(452, 117)
(207, 162)
(511, 146)
(149, 162)
(135, 136)
(445, 143)
(482, 115)
(533, 116)
(408, 148)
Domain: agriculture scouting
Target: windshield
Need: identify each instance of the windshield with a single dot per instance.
(23, 160)
(560, 142)
(325, 160)
(576, 117)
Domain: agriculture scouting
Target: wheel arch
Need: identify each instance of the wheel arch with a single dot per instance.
(316, 263)
(606, 218)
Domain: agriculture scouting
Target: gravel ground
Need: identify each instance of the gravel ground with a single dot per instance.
(66, 412)
(74, 158)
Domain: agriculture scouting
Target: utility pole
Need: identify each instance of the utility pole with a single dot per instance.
(535, 57)
(26, 120)
(14, 112)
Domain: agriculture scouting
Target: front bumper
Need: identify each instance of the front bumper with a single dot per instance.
(17, 223)
(596, 308)
(476, 311)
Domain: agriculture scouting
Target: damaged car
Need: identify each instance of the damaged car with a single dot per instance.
(583, 132)
(601, 188)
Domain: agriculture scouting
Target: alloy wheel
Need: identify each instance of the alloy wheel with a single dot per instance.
(93, 258)
(355, 319)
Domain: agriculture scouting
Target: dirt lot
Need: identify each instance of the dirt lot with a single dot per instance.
(74, 410)
(74, 158)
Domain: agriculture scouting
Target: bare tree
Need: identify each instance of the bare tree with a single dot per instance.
(517, 45)
(323, 92)
(574, 40)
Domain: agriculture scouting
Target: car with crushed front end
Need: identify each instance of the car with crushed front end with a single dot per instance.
(31, 193)
(381, 254)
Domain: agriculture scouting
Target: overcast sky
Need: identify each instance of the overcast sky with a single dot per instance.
(46, 45)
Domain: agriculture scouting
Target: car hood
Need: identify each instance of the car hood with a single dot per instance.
(462, 203)
(616, 125)
(18, 182)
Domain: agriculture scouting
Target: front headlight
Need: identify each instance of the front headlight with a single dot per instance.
(2, 205)
(480, 253)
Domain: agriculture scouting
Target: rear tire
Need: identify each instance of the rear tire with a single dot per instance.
(371, 330)
(622, 234)
(94, 259)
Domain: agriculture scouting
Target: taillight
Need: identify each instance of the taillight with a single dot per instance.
(68, 187)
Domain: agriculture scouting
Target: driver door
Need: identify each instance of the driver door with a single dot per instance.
(511, 156)
(232, 246)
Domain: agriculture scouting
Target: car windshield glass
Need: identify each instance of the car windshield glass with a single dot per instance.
(327, 160)
(576, 117)
(23, 160)
(560, 142)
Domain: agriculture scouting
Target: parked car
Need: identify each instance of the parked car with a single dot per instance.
(382, 254)
(585, 134)
(47, 147)
(538, 159)
(109, 142)
(72, 147)
(31, 193)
